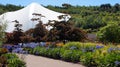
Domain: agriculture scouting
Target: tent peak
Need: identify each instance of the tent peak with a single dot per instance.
(34, 4)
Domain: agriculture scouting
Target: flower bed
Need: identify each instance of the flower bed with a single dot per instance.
(88, 54)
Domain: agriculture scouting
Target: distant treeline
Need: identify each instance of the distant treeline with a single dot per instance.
(9, 7)
(90, 18)
(67, 8)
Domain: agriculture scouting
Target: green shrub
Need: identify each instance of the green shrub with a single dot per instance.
(15, 62)
(66, 55)
(85, 47)
(48, 52)
(71, 55)
(30, 50)
(110, 33)
(87, 59)
(104, 57)
(42, 51)
(73, 46)
(10, 56)
(55, 53)
(75, 56)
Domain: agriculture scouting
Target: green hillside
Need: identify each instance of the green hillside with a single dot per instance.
(91, 18)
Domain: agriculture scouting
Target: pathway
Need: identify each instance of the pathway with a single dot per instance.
(38, 61)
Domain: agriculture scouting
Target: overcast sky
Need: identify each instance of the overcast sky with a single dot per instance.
(59, 2)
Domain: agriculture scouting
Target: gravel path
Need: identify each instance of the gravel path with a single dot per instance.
(38, 61)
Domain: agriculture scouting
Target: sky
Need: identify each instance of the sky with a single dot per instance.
(60, 2)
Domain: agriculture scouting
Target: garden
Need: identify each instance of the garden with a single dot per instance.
(65, 41)
(88, 54)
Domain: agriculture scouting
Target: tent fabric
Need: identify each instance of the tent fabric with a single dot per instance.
(25, 15)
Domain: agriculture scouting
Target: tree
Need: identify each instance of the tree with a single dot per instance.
(110, 33)
(116, 7)
(106, 7)
(65, 31)
(39, 32)
(15, 36)
(65, 5)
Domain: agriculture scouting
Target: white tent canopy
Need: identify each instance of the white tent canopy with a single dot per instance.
(25, 15)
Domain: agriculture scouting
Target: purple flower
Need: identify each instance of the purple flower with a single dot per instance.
(17, 50)
(7, 47)
(110, 49)
(117, 63)
(98, 46)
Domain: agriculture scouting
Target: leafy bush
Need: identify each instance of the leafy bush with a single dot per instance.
(110, 33)
(103, 57)
(88, 47)
(30, 50)
(56, 53)
(73, 46)
(66, 55)
(13, 60)
(71, 55)
(48, 52)
(10, 56)
(85, 47)
(87, 59)
(39, 51)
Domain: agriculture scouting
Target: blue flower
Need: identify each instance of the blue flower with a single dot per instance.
(17, 50)
(98, 46)
(110, 49)
(117, 63)
(7, 47)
